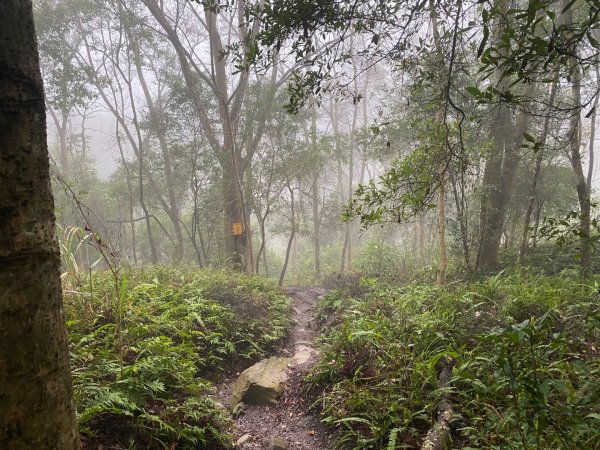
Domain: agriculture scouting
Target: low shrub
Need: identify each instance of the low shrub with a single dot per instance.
(527, 371)
(143, 352)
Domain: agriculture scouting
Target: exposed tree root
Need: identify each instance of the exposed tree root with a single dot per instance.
(438, 435)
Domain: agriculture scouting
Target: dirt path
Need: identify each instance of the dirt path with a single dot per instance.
(290, 418)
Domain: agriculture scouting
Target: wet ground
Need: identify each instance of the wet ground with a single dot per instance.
(290, 418)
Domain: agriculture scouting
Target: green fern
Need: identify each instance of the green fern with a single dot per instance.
(175, 326)
(392, 439)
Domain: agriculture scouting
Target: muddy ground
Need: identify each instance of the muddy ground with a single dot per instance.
(290, 419)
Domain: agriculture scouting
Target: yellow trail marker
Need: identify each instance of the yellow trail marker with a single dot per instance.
(237, 229)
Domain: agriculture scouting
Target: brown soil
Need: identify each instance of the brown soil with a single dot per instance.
(290, 418)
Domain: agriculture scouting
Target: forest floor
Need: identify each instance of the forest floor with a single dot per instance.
(290, 418)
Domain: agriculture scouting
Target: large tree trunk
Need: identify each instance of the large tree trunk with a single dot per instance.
(36, 411)
(496, 196)
(499, 169)
(499, 176)
(236, 245)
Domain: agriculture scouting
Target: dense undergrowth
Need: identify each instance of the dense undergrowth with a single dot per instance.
(526, 374)
(146, 346)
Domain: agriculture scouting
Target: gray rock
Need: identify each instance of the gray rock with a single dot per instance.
(261, 384)
(277, 443)
(243, 439)
(303, 353)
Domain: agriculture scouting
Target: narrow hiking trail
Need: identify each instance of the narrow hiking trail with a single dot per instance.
(289, 420)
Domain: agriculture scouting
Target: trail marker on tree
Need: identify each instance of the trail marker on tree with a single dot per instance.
(237, 229)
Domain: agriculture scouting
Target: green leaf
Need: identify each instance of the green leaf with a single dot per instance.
(486, 34)
(473, 91)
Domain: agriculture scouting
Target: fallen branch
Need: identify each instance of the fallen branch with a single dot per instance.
(438, 435)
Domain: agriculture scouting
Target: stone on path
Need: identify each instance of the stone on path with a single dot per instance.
(243, 439)
(261, 384)
(303, 353)
(277, 443)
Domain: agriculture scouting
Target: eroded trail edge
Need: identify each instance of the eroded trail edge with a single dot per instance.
(289, 420)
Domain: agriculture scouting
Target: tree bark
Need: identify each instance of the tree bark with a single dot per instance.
(583, 195)
(36, 410)
(590, 174)
(536, 226)
(236, 246)
(499, 169)
(539, 157)
(263, 243)
(61, 130)
(496, 196)
(499, 176)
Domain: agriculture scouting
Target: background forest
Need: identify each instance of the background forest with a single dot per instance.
(162, 140)
(430, 162)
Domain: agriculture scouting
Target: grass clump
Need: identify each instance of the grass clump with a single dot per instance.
(526, 375)
(143, 362)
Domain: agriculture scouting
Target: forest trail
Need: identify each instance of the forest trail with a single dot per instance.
(289, 419)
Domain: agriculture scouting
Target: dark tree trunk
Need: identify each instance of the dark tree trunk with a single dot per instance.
(495, 186)
(500, 168)
(236, 245)
(36, 411)
(499, 176)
